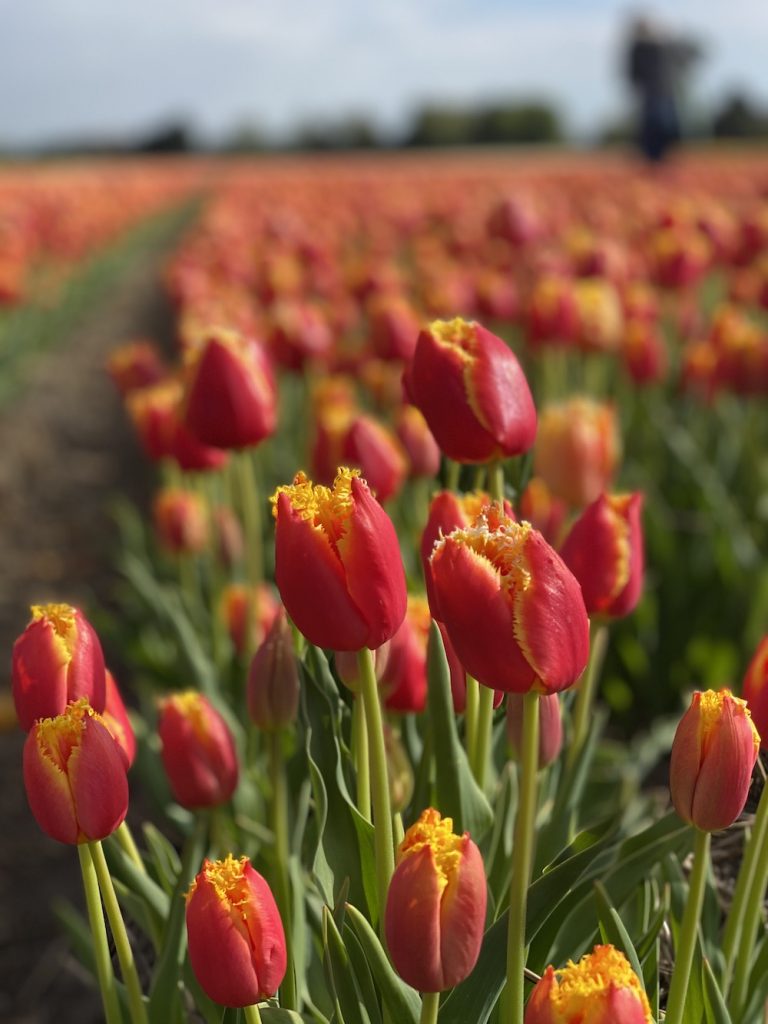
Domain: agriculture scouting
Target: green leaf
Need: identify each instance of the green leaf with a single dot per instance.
(613, 930)
(458, 795)
(402, 1002)
(122, 867)
(164, 857)
(340, 976)
(714, 1004)
(757, 987)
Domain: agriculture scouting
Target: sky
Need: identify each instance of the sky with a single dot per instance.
(110, 67)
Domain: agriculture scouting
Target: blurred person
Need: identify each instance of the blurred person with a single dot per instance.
(656, 65)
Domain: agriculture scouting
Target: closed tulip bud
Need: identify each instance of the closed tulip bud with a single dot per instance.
(399, 771)
(713, 754)
(115, 717)
(337, 563)
(552, 314)
(234, 611)
(404, 680)
(230, 543)
(644, 352)
(600, 315)
(604, 551)
(601, 988)
(377, 453)
(416, 438)
(578, 449)
(231, 400)
(348, 668)
(57, 659)
(512, 608)
(550, 727)
(181, 521)
(299, 333)
(435, 912)
(472, 392)
(273, 678)
(545, 512)
(755, 690)
(393, 327)
(74, 775)
(136, 364)
(198, 751)
(156, 415)
(234, 933)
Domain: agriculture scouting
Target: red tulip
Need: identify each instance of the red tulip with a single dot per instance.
(273, 678)
(713, 754)
(550, 727)
(435, 912)
(337, 563)
(543, 510)
(472, 392)
(513, 610)
(235, 935)
(57, 659)
(136, 364)
(604, 551)
(416, 438)
(404, 680)
(377, 453)
(601, 988)
(74, 774)
(393, 327)
(181, 521)
(198, 751)
(234, 611)
(755, 690)
(231, 399)
(115, 717)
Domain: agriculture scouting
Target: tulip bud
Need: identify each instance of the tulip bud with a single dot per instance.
(393, 326)
(644, 352)
(416, 438)
(181, 521)
(601, 988)
(337, 563)
(299, 332)
(235, 936)
(512, 608)
(348, 669)
(234, 611)
(231, 398)
(435, 912)
(156, 415)
(57, 659)
(543, 510)
(604, 551)
(550, 727)
(378, 454)
(74, 775)
(198, 751)
(273, 678)
(230, 543)
(134, 365)
(404, 680)
(115, 717)
(399, 770)
(472, 392)
(713, 754)
(755, 690)
(578, 449)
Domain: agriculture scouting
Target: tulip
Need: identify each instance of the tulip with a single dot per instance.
(377, 453)
(230, 399)
(578, 449)
(348, 668)
(75, 776)
(713, 753)
(234, 611)
(599, 315)
(134, 365)
(393, 327)
(604, 551)
(755, 690)
(435, 911)
(337, 563)
(198, 751)
(472, 392)
(230, 543)
(512, 608)
(235, 935)
(601, 988)
(543, 510)
(181, 521)
(404, 680)
(273, 678)
(644, 352)
(57, 659)
(552, 315)
(550, 727)
(156, 415)
(416, 439)
(115, 717)
(299, 333)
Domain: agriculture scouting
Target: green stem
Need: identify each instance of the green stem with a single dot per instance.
(382, 812)
(452, 474)
(748, 889)
(749, 930)
(254, 559)
(678, 989)
(496, 480)
(288, 990)
(360, 750)
(585, 694)
(101, 955)
(125, 838)
(470, 717)
(522, 860)
(483, 736)
(120, 935)
(430, 1007)
(251, 1014)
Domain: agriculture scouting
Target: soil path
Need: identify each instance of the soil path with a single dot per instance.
(67, 449)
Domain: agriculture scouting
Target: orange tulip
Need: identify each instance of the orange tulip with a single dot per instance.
(198, 751)
(755, 690)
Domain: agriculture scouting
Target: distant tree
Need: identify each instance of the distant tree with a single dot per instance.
(440, 126)
(533, 121)
(246, 138)
(171, 138)
(740, 118)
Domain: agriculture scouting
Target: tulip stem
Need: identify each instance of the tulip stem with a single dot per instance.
(752, 915)
(251, 1014)
(484, 729)
(678, 989)
(254, 563)
(452, 474)
(288, 989)
(585, 694)
(382, 811)
(101, 955)
(430, 1007)
(125, 838)
(496, 480)
(513, 998)
(470, 717)
(120, 935)
(360, 750)
(749, 890)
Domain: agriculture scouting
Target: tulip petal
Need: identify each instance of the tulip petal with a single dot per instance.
(462, 916)
(98, 781)
(412, 922)
(266, 934)
(539, 1009)
(723, 783)
(87, 675)
(500, 396)
(686, 759)
(48, 793)
(39, 674)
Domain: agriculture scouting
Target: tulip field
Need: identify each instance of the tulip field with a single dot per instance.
(431, 680)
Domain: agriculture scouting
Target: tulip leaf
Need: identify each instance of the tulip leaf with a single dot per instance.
(714, 1004)
(402, 1002)
(499, 844)
(341, 978)
(163, 855)
(362, 973)
(122, 867)
(458, 795)
(277, 1015)
(757, 987)
(612, 928)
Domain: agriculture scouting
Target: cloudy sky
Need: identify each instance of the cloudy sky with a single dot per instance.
(84, 67)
